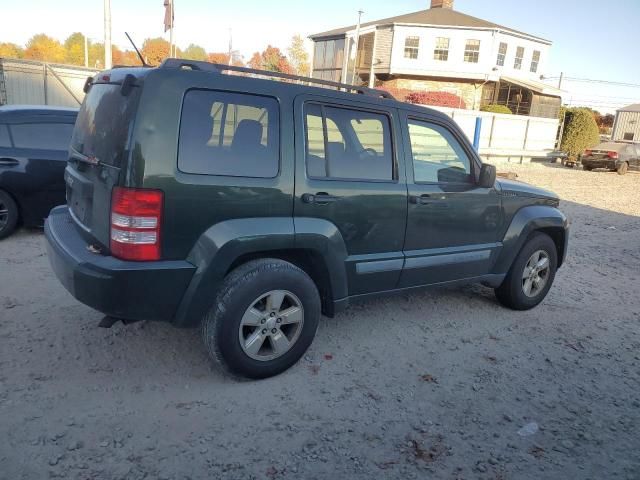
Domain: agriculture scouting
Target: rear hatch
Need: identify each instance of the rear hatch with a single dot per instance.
(99, 151)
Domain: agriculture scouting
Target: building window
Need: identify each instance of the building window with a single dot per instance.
(472, 51)
(411, 47)
(517, 64)
(502, 54)
(535, 61)
(441, 52)
(628, 136)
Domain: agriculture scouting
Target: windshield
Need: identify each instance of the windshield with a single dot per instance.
(104, 122)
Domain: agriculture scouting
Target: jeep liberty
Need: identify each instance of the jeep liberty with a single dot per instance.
(249, 202)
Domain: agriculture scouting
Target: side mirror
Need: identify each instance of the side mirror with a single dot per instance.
(487, 176)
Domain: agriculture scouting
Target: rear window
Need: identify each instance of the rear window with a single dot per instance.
(104, 124)
(42, 136)
(230, 134)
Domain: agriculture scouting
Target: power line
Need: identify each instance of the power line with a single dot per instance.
(593, 80)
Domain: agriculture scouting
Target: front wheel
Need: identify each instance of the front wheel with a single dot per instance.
(8, 215)
(531, 274)
(263, 320)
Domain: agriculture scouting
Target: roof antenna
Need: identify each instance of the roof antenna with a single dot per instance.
(144, 64)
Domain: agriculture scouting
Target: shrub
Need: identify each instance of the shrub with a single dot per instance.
(580, 131)
(439, 99)
(496, 109)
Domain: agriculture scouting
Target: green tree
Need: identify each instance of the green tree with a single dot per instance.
(96, 55)
(195, 52)
(580, 131)
(298, 56)
(493, 108)
(44, 48)
(11, 50)
(74, 45)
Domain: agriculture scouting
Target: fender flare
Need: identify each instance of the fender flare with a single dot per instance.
(222, 244)
(525, 221)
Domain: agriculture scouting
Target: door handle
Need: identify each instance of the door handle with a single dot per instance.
(320, 198)
(420, 200)
(8, 162)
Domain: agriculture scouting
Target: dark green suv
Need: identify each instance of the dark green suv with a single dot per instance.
(202, 194)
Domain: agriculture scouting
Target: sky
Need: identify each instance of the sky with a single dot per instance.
(592, 39)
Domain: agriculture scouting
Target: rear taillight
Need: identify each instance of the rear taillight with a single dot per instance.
(587, 153)
(136, 216)
(612, 154)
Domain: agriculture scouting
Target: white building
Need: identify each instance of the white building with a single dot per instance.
(440, 49)
(626, 126)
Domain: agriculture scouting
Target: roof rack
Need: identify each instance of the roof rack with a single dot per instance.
(219, 68)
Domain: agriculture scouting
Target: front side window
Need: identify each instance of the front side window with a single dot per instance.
(411, 47)
(42, 136)
(502, 54)
(5, 141)
(517, 64)
(535, 61)
(347, 144)
(472, 51)
(230, 134)
(437, 156)
(441, 52)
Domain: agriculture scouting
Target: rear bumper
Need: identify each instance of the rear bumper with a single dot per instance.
(610, 164)
(122, 289)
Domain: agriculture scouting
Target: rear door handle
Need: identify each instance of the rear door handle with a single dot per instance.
(320, 198)
(8, 162)
(421, 200)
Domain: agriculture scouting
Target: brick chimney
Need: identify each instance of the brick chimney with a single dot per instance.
(442, 4)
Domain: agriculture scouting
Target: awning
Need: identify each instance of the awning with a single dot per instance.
(537, 87)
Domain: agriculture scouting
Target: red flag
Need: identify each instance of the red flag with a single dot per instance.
(168, 15)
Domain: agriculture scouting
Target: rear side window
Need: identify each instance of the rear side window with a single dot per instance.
(229, 134)
(42, 136)
(5, 141)
(348, 144)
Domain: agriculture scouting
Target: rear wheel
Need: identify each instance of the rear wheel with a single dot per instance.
(263, 320)
(8, 214)
(531, 274)
(588, 169)
(622, 168)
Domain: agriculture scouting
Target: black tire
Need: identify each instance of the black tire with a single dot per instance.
(245, 284)
(622, 168)
(511, 293)
(588, 169)
(8, 219)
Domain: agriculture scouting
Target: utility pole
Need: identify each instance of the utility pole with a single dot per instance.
(171, 45)
(560, 81)
(230, 47)
(86, 51)
(107, 34)
(355, 64)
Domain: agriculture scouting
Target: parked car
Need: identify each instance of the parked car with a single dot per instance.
(34, 143)
(612, 156)
(251, 206)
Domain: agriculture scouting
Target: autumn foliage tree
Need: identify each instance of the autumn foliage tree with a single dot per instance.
(195, 52)
(11, 50)
(272, 60)
(298, 56)
(155, 50)
(45, 48)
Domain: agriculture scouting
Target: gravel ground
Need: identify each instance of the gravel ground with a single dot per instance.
(436, 384)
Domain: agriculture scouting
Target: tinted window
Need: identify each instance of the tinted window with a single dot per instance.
(104, 123)
(229, 134)
(437, 155)
(42, 136)
(628, 136)
(348, 144)
(5, 141)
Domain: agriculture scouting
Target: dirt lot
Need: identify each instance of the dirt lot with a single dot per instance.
(435, 384)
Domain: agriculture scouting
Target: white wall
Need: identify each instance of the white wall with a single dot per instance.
(507, 136)
(425, 64)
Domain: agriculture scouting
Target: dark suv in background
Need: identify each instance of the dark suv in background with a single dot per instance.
(34, 145)
(249, 206)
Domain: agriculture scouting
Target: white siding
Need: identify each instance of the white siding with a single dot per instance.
(626, 122)
(456, 66)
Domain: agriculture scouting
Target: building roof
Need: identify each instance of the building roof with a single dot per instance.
(538, 87)
(630, 108)
(433, 16)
